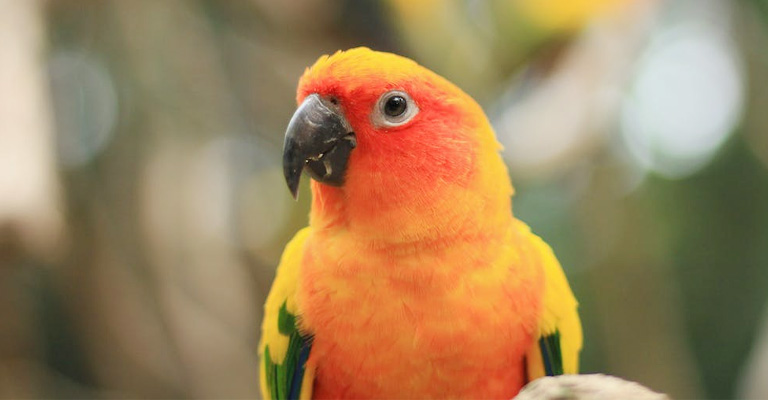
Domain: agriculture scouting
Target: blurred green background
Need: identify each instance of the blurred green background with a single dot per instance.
(143, 210)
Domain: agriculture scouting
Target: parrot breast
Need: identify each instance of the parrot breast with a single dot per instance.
(449, 318)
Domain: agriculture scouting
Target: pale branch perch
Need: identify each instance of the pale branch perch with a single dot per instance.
(593, 387)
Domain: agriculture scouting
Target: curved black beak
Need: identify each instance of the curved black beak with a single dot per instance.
(319, 138)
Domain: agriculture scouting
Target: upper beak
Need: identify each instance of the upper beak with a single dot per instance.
(320, 138)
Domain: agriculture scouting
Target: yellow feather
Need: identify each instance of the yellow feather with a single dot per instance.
(559, 312)
(306, 384)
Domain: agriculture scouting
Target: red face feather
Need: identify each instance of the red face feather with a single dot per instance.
(409, 167)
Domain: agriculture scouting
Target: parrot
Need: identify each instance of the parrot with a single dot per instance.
(413, 278)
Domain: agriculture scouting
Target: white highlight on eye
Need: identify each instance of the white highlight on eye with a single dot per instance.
(381, 119)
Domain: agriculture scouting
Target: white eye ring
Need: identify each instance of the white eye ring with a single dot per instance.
(394, 108)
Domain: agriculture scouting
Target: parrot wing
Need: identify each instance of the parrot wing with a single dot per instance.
(284, 350)
(556, 351)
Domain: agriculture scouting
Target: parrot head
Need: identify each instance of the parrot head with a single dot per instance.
(378, 132)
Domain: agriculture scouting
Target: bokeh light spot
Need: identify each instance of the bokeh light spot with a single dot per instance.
(686, 100)
(85, 106)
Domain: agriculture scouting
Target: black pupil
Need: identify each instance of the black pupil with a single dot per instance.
(395, 106)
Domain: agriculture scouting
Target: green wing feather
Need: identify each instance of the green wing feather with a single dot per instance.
(551, 354)
(284, 380)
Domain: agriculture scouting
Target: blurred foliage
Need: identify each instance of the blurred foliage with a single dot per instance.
(142, 207)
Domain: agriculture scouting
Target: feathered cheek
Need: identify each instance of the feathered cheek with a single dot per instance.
(449, 162)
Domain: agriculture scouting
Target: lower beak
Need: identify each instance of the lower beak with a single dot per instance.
(319, 138)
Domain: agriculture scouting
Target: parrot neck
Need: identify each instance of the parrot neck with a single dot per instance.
(427, 216)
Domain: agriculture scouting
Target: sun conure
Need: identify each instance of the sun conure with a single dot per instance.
(413, 278)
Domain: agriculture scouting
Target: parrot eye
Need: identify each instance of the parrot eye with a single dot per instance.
(394, 108)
